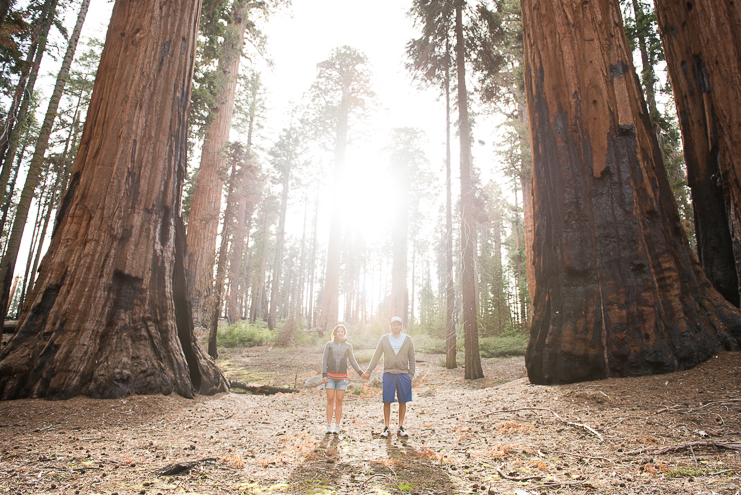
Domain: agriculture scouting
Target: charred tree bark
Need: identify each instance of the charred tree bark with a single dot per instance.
(204, 215)
(468, 223)
(109, 315)
(618, 291)
(702, 46)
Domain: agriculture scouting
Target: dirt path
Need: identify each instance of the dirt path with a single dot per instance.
(466, 437)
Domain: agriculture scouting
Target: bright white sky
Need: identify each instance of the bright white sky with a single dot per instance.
(299, 37)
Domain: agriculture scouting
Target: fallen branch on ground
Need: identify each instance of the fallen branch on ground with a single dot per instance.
(518, 478)
(689, 445)
(570, 423)
(261, 389)
(581, 456)
(181, 467)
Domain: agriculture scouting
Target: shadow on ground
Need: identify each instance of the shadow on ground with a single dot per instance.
(344, 465)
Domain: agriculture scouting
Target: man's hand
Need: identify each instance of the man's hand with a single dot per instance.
(365, 376)
(324, 380)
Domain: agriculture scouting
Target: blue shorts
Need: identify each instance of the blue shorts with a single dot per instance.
(397, 385)
(340, 384)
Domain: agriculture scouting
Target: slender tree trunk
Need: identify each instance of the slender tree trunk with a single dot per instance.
(259, 285)
(20, 91)
(35, 234)
(109, 315)
(7, 267)
(331, 291)
(218, 290)
(278, 263)
(51, 112)
(619, 291)
(468, 223)
(648, 76)
(312, 272)
(411, 299)
(10, 147)
(702, 46)
(247, 178)
(450, 337)
(302, 259)
(526, 183)
(204, 214)
(9, 196)
(399, 242)
(42, 236)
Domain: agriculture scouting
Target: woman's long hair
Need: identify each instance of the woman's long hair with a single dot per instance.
(334, 337)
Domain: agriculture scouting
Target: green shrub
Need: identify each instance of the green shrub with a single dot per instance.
(242, 334)
(510, 345)
(429, 345)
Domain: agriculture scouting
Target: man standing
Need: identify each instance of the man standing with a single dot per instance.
(398, 370)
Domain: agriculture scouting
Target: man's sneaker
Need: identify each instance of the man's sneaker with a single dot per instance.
(330, 430)
(403, 432)
(385, 433)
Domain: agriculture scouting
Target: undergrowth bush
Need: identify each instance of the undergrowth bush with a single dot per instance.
(503, 345)
(243, 334)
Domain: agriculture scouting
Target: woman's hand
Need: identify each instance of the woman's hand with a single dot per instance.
(365, 376)
(324, 380)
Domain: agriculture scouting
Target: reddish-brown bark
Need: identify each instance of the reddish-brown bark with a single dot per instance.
(203, 224)
(468, 223)
(618, 291)
(702, 45)
(108, 316)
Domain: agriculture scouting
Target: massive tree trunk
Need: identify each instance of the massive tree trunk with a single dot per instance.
(618, 290)
(702, 45)
(109, 315)
(203, 224)
(468, 222)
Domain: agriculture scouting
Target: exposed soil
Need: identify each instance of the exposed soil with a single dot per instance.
(498, 435)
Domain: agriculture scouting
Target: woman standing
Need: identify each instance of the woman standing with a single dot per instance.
(334, 371)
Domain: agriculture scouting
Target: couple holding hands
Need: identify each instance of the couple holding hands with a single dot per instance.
(398, 370)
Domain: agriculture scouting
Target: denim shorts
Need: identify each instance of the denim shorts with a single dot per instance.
(339, 384)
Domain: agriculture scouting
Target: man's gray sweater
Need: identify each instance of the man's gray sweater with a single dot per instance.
(396, 364)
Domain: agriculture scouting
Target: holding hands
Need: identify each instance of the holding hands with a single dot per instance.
(365, 375)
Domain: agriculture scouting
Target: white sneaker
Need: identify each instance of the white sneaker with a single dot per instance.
(330, 430)
(336, 429)
(386, 432)
(403, 432)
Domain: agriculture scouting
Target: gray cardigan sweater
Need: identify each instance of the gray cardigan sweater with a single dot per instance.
(336, 356)
(396, 364)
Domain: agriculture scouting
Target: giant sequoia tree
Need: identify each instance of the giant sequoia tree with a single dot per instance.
(109, 315)
(340, 95)
(618, 290)
(702, 47)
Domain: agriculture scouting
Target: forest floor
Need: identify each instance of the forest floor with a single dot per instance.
(667, 434)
